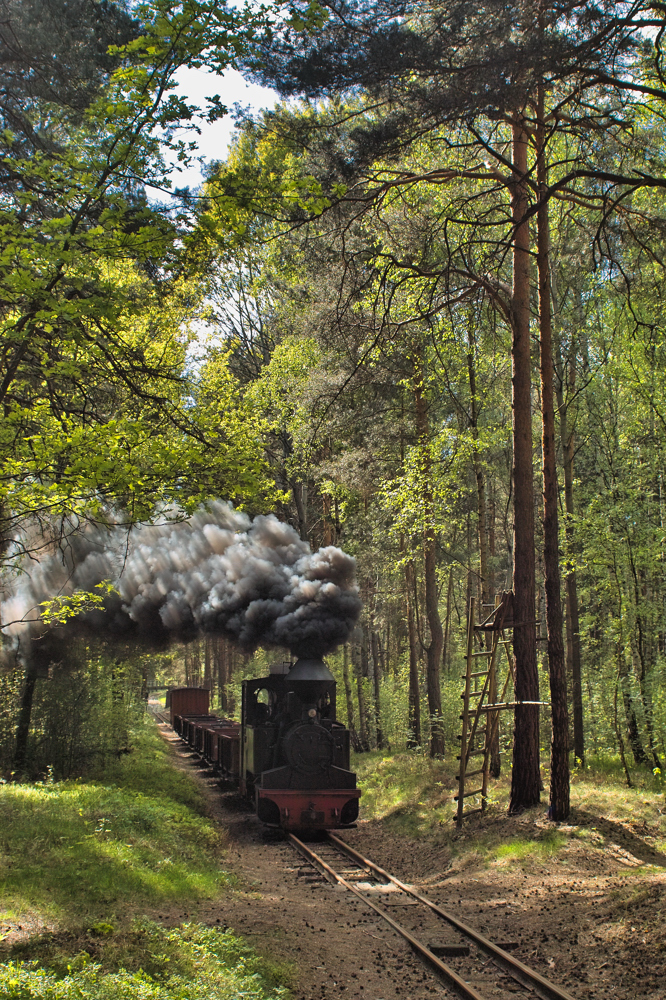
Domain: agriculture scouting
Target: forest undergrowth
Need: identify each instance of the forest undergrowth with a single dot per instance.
(413, 795)
(92, 872)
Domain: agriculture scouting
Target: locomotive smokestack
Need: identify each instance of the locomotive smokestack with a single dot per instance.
(219, 572)
(310, 677)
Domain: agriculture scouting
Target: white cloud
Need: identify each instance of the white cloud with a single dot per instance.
(195, 85)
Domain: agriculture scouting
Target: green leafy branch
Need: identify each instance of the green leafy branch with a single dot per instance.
(58, 610)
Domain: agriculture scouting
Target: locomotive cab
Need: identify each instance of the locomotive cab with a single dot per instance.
(295, 754)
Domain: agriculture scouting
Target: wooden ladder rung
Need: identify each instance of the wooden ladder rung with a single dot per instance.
(472, 812)
(472, 753)
(473, 774)
(467, 795)
(484, 652)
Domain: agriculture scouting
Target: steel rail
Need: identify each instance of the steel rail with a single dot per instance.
(452, 979)
(522, 973)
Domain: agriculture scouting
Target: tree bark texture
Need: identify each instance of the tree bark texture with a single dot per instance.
(525, 779)
(23, 723)
(484, 580)
(414, 722)
(559, 748)
(300, 494)
(434, 648)
(624, 681)
(364, 745)
(208, 664)
(349, 699)
(643, 651)
(567, 444)
(376, 678)
(478, 475)
(447, 621)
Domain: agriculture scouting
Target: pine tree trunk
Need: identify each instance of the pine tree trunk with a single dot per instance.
(364, 745)
(230, 659)
(23, 723)
(414, 735)
(559, 749)
(484, 589)
(300, 494)
(208, 664)
(525, 777)
(434, 649)
(219, 667)
(447, 622)
(624, 681)
(618, 731)
(478, 471)
(434, 652)
(633, 731)
(643, 653)
(567, 444)
(349, 699)
(376, 678)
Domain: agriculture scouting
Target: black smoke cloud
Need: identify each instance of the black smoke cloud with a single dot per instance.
(255, 582)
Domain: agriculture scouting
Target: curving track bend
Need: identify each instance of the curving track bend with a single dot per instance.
(475, 968)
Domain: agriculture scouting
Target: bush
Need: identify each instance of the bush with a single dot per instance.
(150, 962)
(82, 715)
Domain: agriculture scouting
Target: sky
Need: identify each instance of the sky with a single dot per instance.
(195, 85)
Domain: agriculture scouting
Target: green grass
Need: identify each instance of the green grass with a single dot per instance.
(410, 792)
(147, 962)
(414, 796)
(520, 849)
(80, 850)
(85, 864)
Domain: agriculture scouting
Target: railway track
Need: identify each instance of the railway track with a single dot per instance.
(471, 966)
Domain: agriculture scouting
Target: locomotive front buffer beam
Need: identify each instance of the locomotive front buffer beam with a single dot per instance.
(300, 809)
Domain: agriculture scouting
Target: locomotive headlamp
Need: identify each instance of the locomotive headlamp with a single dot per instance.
(312, 713)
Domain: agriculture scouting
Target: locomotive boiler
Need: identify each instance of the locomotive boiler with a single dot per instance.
(289, 755)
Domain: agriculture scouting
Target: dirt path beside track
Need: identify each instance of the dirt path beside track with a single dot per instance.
(584, 918)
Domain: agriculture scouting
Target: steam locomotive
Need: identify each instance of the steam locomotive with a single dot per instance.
(289, 756)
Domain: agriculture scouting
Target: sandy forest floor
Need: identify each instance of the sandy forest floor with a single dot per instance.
(589, 914)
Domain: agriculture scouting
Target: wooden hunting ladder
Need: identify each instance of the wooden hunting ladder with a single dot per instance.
(481, 704)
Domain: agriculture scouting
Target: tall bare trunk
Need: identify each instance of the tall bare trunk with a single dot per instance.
(643, 650)
(478, 468)
(525, 778)
(447, 621)
(364, 745)
(23, 723)
(559, 748)
(567, 383)
(434, 648)
(414, 735)
(376, 678)
(491, 539)
(300, 494)
(208, 663)
(219, 670)
(624, 681)
(484, 575)
(349, 699)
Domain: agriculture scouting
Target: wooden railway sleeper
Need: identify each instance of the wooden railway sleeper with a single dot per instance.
(529, 978)
(451, 978)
